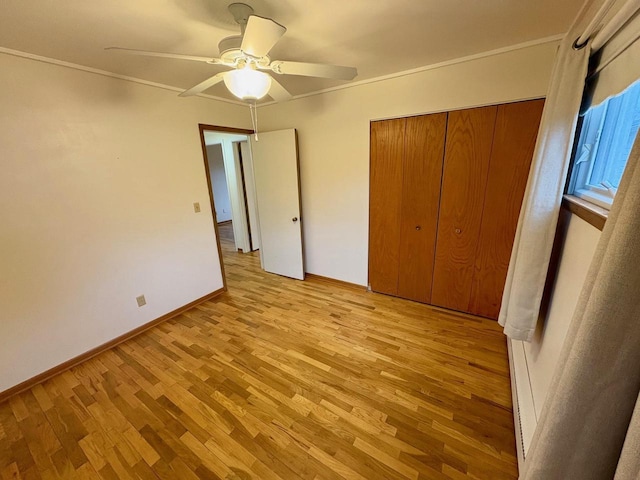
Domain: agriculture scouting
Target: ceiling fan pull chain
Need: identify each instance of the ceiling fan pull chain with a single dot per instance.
(253, 110)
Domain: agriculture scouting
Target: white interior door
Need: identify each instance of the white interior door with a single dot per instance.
(275, 164)
(250, 190)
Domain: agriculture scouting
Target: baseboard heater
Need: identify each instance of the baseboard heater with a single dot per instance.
(524, 413)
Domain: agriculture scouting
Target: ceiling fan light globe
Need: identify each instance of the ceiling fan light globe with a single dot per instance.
(248, 84)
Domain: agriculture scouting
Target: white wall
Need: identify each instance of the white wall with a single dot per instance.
(539, 358)
(543, 352)
(97, 184)
(333, 132)
(219, 183)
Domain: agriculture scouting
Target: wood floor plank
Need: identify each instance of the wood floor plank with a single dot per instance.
(277, 379)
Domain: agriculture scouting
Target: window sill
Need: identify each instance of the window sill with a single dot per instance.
(596, 197)
(589, 212)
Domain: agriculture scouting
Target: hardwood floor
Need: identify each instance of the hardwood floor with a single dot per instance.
(226, 237)
(277, 379)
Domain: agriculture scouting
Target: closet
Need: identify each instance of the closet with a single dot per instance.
(445, 195)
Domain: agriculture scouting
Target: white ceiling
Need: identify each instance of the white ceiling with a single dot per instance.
(379, 37)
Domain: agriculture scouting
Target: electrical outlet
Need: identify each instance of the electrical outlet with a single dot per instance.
(196, 207)
(141, 301)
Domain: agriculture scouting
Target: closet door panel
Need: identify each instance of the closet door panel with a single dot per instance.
(514, 141)
(466, 166)
(424, 151)
(385, 204)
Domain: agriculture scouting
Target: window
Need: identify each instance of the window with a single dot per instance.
(606, 138)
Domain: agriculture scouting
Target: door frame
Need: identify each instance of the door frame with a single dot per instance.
(203, 127)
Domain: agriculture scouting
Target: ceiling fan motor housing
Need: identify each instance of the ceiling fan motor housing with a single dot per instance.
(229, 47)
(229, 44)
(230, 52)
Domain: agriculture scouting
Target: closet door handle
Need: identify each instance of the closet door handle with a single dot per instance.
(418, 227)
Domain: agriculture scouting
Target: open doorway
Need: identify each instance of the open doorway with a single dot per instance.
(229, 169)
(262, 174)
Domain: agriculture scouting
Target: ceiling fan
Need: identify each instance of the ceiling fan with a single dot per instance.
(247, 55)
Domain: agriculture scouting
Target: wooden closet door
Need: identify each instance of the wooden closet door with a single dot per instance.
(514, 141)
(385, 204)
(466, 166)
(423, 157)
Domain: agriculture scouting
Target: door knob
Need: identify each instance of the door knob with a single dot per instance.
(458, 231)
(294, 219)
(418, 227)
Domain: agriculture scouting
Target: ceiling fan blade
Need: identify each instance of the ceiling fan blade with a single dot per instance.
(260, 36)
(202, 86)
(314, 70)
(147, 53)
(278, 92)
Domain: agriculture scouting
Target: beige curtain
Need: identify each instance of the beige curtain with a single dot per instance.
(597, 23)
(541, 206)
(588, 429)
(629, 463)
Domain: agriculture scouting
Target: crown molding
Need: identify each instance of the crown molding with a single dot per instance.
(433, 66)
(404, 73)
(76, 66)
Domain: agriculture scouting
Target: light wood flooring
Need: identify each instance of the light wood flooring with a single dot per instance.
(277, 379)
